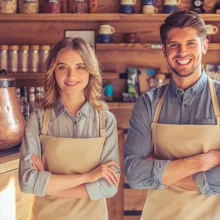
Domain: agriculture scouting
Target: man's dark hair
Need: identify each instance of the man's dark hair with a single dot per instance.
(182, 19)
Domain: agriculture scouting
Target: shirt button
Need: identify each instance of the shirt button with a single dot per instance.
(185, 105)
(78, 113)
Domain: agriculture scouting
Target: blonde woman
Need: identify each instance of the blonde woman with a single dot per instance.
(69, 154)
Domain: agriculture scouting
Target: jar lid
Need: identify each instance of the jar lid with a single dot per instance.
(44, 47)
(34, 47)
(24, 47)
(3, 47)
(5, 80)
(13, 47)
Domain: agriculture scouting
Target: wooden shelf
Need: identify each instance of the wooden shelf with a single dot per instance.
(141, 46)
(27, 75)
(59, 17)
(89, 17)
(120, 105)
(128, 46)
(110, 75)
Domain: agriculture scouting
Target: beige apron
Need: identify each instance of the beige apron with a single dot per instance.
(176, 142)
(69, 156)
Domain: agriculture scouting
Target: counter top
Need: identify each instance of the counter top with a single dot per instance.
(9, 159)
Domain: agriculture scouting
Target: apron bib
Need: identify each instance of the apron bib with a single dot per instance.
(176, 142)
(69, 156)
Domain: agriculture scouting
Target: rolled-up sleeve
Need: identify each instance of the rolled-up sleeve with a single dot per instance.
(208, 182)
(101, 188)
(31, 181)
(139, 172)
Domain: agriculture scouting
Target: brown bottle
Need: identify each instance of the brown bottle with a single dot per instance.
(11, 118)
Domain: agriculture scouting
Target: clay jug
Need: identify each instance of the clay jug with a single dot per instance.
(12, 122)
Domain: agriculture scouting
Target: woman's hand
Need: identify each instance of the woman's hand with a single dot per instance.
(37, 163)
(106, 172)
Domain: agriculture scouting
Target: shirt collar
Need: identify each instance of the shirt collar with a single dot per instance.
(194, 90)
(59, 108)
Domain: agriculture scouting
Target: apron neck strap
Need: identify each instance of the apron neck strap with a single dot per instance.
(46, 121)
(102, 123)
(160, 104)
(214, 100)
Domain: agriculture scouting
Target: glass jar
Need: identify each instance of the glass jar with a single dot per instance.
(13, 58)
(28, 6)
(23, 58)
(52, 6)
(44, 52)
(4, 57)
(34, 59)
(8, 6)
(78, 6)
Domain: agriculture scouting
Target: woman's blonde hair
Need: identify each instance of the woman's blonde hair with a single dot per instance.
(93, 91)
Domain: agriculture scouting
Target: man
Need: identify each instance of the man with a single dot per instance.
(174, 135)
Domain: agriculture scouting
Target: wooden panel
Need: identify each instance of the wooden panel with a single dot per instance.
(13, 203)
(134, 199)
(131, 218)
(115, 204)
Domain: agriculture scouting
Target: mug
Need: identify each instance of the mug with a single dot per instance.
(211, 29)
(172, 2)
(128, 2)
(106, 38)
(168, 9)
(149, 2)
(106, 29)
(127, 9)
(132, 38)
(149, 9)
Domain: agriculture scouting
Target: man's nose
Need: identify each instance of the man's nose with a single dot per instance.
(182, 50)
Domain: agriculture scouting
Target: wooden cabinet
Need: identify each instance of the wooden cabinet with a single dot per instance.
(115, 58)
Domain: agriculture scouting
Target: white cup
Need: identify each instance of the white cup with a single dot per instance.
(211, 29)
(149, 9)
(106, 29)
(172, 2)
(128, 2)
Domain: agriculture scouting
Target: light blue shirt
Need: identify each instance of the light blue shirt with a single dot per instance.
(62, 124)
(193, 106)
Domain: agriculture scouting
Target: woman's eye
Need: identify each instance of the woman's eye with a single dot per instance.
(80, 67)
(61, 67)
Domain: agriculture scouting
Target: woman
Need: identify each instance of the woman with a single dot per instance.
(69, 154)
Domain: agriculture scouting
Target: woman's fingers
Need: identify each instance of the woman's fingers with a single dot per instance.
(35, 167)
(37, 161)
(113, 173)
(112, 163)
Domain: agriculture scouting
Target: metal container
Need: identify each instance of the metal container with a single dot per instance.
(11, 118)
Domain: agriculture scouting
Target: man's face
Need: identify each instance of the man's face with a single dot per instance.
(183, 51)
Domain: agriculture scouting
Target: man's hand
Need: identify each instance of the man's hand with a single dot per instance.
(151, 157)
(37, 163)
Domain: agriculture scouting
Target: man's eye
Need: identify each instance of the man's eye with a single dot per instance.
(173, 45)
(191, 43)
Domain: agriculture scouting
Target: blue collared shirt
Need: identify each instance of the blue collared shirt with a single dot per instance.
(180, 107)
(63, 124)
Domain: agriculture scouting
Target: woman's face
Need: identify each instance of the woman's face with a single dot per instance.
(71, 74)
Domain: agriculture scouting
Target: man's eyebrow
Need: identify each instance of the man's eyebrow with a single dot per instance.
(61, 63)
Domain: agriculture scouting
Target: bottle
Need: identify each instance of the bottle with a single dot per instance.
(44, 52)
(28, 6)
(19, 99)
(52, 6)
(25, 103)
(34, 59)
(4, 57)
(23, 58)
(8, 7)
(38, 95)
(13, 58)
(32, 99)
(78, 6)
(93, 6)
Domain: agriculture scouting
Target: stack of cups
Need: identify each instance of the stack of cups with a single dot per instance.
(127, 6)
(106, 32)
(149, 6)
(170, 6)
